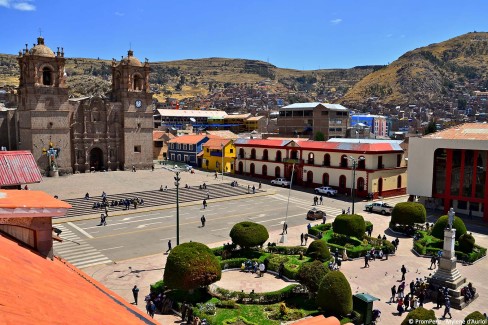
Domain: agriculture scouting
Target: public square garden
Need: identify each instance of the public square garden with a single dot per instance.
(252, 281)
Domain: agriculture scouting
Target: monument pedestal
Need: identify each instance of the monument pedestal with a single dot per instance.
(447, 275)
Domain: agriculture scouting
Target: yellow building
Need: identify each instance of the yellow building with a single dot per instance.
(213, 158)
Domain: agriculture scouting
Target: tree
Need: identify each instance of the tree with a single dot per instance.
(335, 295)
(431, 128)
(466, 243)
(190, 266)
(441, 224)
(318, 250)
(319, 136)
(420, 314)
(311, 274)
(349, 225)
(408, 213)
(249, 234)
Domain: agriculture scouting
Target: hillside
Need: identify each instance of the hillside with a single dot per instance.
(201, 77)
(432, 76)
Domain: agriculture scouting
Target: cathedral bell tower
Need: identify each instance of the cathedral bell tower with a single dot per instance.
(130, 88)
(43, 111)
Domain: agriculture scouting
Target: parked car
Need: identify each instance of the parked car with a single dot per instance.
(315, 214)
(280, 182)
(325, 190)
(379, 207)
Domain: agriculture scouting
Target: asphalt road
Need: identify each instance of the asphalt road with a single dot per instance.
(147, 233)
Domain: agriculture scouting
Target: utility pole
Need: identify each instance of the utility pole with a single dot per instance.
(177, 184)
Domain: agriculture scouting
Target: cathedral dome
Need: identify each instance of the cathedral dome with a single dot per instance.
(131, 60)
(41, 50)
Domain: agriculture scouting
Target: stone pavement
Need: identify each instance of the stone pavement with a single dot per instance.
(236, 280)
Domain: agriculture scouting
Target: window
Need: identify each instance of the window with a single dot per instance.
(173, 156)
(265, 154)
(137, 82)
(326, 159)
(178, 158)
(252, 169)
(278, 155)
(47, 77)
(184, 147)
(186, 158)
(158, 144)
(324, 113)
(190, 147)
(342, 183)
(310, 177)
(241, 153)
(265, 170)
(253, 154)
(361, 163)
(399, 160)
(231, 150)
(325, 179)
(294, 154)
(310, 158)
(380, 162)
(343, 161)
(308, 113)
(277, 171)
(399, 181)
(137, 149)
(231, 167)
(360, 184)
(208, 150)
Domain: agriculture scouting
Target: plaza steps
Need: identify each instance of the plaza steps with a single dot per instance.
(155, 198)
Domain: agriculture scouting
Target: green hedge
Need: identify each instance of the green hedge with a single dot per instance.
(408, 213)
(314, 231)
(232, 263)
(349, 225)
(442, 223)
(157, 287)
(274, 262)
(420, 314)
(429, 245)
(249, 234)
(318, 250)
(476, 318)
(287, 250)
(335, 294)
(466, 243)
(257, 297)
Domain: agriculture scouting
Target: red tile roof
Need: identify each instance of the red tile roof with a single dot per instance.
(467, 131)
(13, 199)
(216, 143)
(157, 135)
(17, 168)
(36, 290)
(188, 139)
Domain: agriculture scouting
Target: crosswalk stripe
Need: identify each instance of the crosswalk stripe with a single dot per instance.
(67, 252)
(73, 257)
(87, 259)
(91, 262)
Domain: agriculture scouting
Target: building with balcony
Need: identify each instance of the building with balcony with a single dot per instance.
(217, 153)
(381, 167)
(306, 119)
(448, 169)
(187, 148)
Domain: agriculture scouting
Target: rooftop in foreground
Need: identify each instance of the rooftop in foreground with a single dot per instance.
(467, 131)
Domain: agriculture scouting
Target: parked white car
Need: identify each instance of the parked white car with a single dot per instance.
(325, 190)
(280, 182)
(379, 207)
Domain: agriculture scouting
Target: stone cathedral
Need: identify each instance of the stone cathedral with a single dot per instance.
(113, 132)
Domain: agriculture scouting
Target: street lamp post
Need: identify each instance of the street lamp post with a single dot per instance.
(353, 187)
(222, 146)
(177, 184)
(283, 237)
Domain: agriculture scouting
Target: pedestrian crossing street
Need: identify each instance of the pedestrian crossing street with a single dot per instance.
(307, 205)
(77, 251)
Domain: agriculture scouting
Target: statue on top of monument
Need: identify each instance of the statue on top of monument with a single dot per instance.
(52, 153)
(450, 219)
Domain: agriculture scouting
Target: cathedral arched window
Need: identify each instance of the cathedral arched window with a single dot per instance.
(47, 78)
(137, 82)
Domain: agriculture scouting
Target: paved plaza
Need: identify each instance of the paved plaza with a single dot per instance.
(375, 280)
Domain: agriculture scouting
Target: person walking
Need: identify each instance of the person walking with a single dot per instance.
(324, 218)
(433, 262)
(152, 309)
(103, 220)
(306, 239)
(216, 175)
(393, 293)
(259, 186)
(253, 189)
(349, 210)
(366, 260)
(412, 287)
(447, 308)
(202, 220)
(204, 204)
(403, 270)
(301, 239)
(169, 246)
(285, 228)
(321, 200)
(135, 293)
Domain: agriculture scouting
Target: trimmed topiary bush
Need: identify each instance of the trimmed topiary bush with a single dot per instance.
(191, 265)
(335, 295)
(311, 274)
(249, 234)
(466, 243)
(349, 225)
(442, 223)
(408, 213)
(420, 314)
(475, 318)
(318, 250)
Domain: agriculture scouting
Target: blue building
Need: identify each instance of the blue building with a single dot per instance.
(377, 123)
(187, 148)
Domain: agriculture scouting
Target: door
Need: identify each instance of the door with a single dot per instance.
(380, 186)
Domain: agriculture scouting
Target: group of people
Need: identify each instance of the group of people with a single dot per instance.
(254, 267)
(413, 299)
(317, 200)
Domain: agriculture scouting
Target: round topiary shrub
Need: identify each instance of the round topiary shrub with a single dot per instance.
(408, 213)
(352, 225)
(311, 274)
(335, 295)
(190, 266)
(475, 318)
(318, 250)
(249, 234)
(442, 223)
(420, 314)
(466, 243)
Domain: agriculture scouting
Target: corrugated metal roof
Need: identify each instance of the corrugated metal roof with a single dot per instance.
(466, 131)
(335, 107)
(190, 113)
(17, 168)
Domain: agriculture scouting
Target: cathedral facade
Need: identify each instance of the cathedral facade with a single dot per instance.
(112, 132)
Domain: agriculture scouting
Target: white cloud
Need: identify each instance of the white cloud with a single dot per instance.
(336, 21)
(22, 6)
(119, 13)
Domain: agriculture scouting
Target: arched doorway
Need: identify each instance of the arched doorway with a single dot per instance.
(380, 186)
(342, 184)
(264, 170)
(96, 159)
(277, 171)
(310, 177)
(241, 167)
(325, 179)
(252, 170)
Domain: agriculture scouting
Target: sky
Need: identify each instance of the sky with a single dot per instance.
(300, 34)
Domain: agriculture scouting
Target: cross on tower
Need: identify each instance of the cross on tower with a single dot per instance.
(40, 32)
